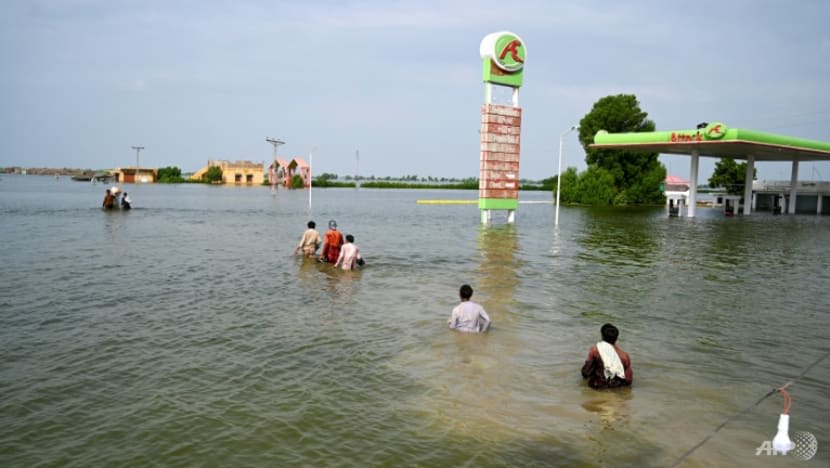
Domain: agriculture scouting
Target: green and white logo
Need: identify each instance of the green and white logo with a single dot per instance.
(714, 131)
(509, 53)
(503, 54)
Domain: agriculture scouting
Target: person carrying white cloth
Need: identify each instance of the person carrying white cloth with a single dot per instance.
(607, 365)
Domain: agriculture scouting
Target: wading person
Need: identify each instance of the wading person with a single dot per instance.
(126, 203)
(309, 242)
(109, 200)
(607, 366)
(349, 257)
(332, 242)
(468, 316)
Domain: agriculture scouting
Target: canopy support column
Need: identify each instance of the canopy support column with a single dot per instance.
(793, 185)
(693, 183)
(750, 171)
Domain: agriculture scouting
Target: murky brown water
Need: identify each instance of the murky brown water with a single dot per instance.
(184, 333)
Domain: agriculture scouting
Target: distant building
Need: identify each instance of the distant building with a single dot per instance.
(132, 175)
(285, 171)
(676, 191)
(279, 175)
(299, 166)
(235, 172)
(774, 195)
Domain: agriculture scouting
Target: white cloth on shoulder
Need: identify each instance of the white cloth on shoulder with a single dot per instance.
(611, 360)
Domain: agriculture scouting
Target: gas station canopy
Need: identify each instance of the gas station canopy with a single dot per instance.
(715, 139)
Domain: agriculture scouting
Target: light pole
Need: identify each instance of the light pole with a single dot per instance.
(137, 150)
(559, 174)
(310, 177)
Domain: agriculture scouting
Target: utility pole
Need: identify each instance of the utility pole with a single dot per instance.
(137, 151)
(310, 177)
(357, 169)
(276, 143)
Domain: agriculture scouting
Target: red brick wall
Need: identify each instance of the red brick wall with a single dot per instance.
(500, 146)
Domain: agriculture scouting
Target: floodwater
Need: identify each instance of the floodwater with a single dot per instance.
(184, 333)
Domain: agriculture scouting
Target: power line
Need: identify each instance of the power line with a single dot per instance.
(747, 409)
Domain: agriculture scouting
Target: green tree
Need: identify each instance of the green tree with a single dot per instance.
(213, 174)
(297, 181)
(636, 175)
(170, 175)
(729, 175)
(568, 189)
(595, 186)
(327, 176)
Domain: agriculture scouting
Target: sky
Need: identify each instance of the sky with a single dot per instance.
(82, 81)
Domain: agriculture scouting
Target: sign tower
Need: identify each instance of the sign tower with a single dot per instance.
(503, 57)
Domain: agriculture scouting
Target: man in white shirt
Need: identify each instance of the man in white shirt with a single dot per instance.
(468, 316)
(349, 257)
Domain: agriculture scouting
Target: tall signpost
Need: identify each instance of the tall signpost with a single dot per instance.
(503, 57)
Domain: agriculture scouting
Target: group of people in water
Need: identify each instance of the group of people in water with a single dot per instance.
(607, 365)
(111, 199)
(337, 249)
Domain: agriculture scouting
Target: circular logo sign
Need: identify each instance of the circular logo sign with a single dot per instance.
(806, 445)
(714, 131)
(506, 49)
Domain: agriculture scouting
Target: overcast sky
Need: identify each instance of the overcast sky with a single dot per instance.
(81, 81)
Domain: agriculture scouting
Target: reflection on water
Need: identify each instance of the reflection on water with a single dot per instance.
(498, 268)
(618, 237)
(187, 328)
(612, 407)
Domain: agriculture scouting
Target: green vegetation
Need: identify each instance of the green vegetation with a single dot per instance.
(465, 184)
(326, 176)
(170, 175)
(297, 181)
(213, 174)
(729, 175)
(328, 182)
(613, 177)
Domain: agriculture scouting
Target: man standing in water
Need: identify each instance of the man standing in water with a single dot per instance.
(126, 203)
(607, 366)
(331, 243)
(349, 257)
(309, 242)
(109, 200)
(468, 316)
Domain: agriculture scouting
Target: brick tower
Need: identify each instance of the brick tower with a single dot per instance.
(503, 56)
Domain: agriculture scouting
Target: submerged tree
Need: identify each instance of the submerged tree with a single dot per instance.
(729, 175)
(170, 175)
(635, 175)
(297, 181)
(213, 174)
